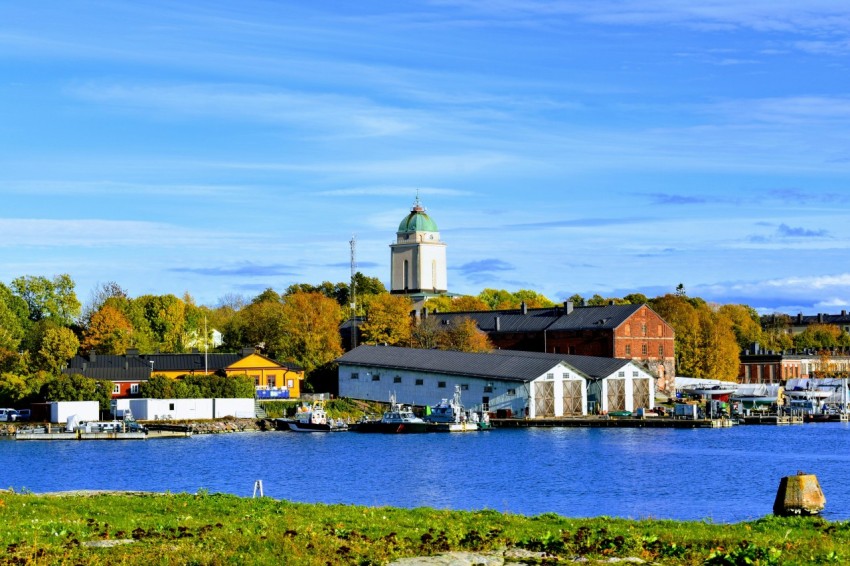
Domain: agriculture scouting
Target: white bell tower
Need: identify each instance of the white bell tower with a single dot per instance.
(418, 258)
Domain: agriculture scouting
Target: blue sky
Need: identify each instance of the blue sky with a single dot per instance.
(583, 146)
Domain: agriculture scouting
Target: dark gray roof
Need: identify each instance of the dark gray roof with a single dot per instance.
(113, 368)
(190, 362)
(508, 365)
(555, 318)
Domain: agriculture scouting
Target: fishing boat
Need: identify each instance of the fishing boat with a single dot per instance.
(313, 418)
(398, 418)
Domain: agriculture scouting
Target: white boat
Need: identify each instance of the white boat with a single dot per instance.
(313, 418)
(450, 415)
(398, 418)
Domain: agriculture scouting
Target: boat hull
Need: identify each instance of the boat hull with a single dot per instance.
(392, 428)
(312, 427)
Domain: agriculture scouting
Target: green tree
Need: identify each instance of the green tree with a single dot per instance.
(820, 336)
(76, 387)
(577, 300)
(57, 347)
(158, 387)
(53, 299)
(498, 299)
(388, 320)
(165, 316)
(636, 299)
(532, 299)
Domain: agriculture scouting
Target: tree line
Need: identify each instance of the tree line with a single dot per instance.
(43, 325)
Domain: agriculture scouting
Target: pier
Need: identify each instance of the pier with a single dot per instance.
(614, 422)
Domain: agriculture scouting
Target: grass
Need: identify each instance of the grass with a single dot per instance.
(223, 529)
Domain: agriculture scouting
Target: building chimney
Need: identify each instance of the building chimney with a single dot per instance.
(568, 307)
(498, 323)
(799, 318)
(92, 356)
(820, 317)
(843, 312)
(523, 307)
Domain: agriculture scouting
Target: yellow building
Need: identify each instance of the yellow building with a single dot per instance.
(272, 379)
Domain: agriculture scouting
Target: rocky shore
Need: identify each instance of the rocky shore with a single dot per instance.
(219, 426)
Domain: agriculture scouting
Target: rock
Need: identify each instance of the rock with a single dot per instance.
(799, 495)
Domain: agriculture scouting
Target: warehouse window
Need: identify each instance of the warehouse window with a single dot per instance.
(420, 382)
(441, 384)
(355, 375)
(634, 374)
(511, 391)
(566, 376)
(397, 379)
(550, 376)
(464, 387)
(488, 388)
(376, 377)
(621, 374)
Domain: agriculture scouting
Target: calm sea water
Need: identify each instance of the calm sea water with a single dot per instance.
(723, 475)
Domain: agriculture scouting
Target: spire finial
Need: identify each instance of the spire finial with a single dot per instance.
(417, 204)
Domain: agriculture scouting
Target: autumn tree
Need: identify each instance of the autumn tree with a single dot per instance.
(463, 335)
(108, 332)
(746, 323)
(98, 297)
(388, 320)
(310, 334)
(426, 333)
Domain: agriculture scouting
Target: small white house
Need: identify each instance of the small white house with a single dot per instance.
(82, 410)
(512, 383)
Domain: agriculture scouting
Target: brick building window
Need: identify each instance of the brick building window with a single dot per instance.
(628, 349)
(661, 350)
(643, 349)
(643, 328)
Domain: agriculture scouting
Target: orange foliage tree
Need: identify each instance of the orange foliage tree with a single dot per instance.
(108, 332)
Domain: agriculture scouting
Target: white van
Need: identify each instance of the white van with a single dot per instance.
(8, 415)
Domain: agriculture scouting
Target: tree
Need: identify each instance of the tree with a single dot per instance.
(533, 299)
(53, 299)
(821, 336)
(11, 327)
(636, 299)
(577, 300)
(99, 295)
(165, 316)
(57, 347)
(387, 321)
(597, 300)
(261, 324)
(267, 296)
(746, 324)
(464, 336)
(498, 299)
(108, 332)
(77, 388)
(310, 334)
(426, 334)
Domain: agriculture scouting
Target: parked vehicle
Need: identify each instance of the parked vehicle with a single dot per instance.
(24, 414)
(8, 415)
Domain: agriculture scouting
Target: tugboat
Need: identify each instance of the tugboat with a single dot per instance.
(315, 419)
(398, 419)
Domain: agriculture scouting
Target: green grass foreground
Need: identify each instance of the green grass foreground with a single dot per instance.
(225, 529)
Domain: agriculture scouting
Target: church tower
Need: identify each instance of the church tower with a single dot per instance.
(418, 258)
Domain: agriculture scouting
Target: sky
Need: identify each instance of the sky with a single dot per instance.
(580, 146)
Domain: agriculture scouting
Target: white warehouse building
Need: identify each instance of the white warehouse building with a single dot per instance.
(506, 382)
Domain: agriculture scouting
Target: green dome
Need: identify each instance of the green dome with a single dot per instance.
(417, 221)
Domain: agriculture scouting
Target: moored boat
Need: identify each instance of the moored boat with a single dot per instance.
(449, 415)
(313, 418)
(398, 418)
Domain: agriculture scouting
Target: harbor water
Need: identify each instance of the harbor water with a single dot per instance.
(720, 475)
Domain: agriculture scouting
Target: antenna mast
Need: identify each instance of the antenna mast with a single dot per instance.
(353, 291)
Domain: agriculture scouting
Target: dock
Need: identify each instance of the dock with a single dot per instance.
(613, 422)
(770, 420)
(79, 435)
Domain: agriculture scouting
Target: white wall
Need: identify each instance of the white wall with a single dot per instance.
(560, 374)
(629, 373)
(511, 395)
(239, 408)
(84, 410)
(186, 409)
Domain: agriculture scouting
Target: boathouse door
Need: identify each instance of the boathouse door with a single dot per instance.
(616, 395)
(572, 397)
(640, 393)
(544, 399)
